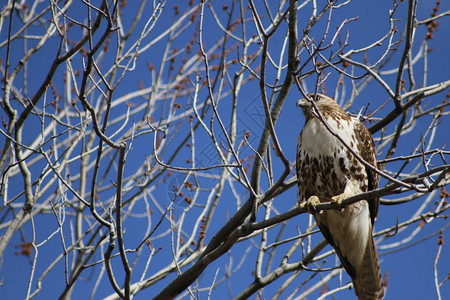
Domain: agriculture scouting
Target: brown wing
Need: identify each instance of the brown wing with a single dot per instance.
(368, 153)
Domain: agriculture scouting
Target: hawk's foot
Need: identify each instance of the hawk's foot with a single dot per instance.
(311, 204)
(337, 200)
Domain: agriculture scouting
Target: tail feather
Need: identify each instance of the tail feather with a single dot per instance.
(368, 283)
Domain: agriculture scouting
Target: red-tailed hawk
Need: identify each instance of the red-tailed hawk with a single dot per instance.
(328, 171)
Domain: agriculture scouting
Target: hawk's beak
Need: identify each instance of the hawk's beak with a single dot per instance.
(303, 103)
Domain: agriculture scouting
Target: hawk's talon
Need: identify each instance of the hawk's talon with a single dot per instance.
(311, 204)
(337, 200)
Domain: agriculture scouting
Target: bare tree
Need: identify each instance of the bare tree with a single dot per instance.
(147, 144)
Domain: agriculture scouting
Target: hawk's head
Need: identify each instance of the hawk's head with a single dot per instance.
(319, 99)
(324, 104)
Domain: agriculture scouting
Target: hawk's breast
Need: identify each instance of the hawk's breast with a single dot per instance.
(325, 165)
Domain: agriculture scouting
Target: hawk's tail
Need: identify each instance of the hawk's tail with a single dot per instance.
(368, 283)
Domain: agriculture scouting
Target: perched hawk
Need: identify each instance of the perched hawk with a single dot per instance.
(328, 171)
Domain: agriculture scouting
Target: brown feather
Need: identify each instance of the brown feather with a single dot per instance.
(364, 137)
(368, 282)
